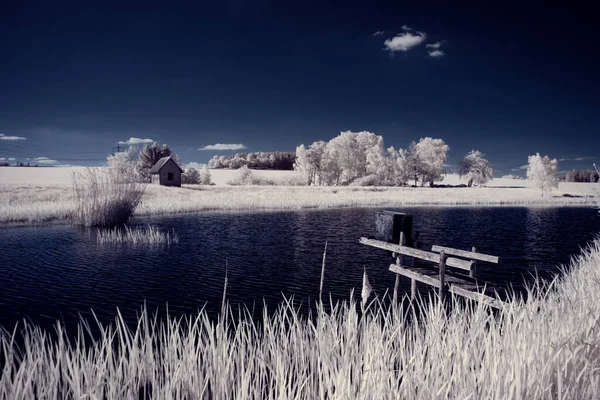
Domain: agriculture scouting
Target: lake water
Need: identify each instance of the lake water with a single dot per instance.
(59, 272)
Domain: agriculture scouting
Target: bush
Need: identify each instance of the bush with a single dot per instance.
(105, 197)
(369, 180)
(190, 177)
(205, 177)
(244, 177)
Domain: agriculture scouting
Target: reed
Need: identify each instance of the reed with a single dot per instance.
(149, 235)
(547, 347)
(105, 197)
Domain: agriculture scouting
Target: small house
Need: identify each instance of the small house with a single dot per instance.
(166, 172)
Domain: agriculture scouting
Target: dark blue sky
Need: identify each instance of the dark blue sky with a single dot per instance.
(513, 80)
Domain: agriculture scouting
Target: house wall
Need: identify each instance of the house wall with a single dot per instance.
(170, 166)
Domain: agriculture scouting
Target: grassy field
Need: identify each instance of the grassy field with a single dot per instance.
(548, 347)
(29, 195)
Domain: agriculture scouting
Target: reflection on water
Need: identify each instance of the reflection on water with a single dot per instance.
(57, 271)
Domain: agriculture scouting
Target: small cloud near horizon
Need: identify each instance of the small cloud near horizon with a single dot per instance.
(134, 141)
(406, 28)
(43, 160)
(223, 146)
(4, 137)
(584, 158)
(378, 33)
(436, 53)
(521, 168)
(577, 159)
(404, 41)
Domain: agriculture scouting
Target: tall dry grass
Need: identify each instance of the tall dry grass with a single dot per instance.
(149, 235)
(547, 347)
(105, 197)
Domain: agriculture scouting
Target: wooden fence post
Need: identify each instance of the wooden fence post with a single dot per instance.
(442, 276)
(474, 266)
(398, 263)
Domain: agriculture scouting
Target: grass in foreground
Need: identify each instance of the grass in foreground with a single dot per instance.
(149, 235)
(548, 347)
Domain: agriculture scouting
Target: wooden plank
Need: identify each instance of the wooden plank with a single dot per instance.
(466, 254)
(423, 255)
(413, 274)
(490, 301)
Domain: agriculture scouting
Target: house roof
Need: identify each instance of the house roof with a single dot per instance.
(161, 163)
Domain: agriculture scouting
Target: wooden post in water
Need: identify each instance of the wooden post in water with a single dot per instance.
(398, 263)
(442, 276)
(474, 266)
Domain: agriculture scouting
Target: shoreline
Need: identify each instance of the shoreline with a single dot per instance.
(32, 205)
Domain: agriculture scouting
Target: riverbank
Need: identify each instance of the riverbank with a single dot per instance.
(43, 194)
(545, 348)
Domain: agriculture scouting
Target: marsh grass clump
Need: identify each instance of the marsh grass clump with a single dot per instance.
(105, 197)
(149, 235)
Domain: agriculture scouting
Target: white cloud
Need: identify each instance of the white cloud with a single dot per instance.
(4, 137)
(564, 159)
(406, 28)
(404, 41)
(134, 141)
(521, 168)
(223, 146)
(584, 158)
(436, 53)
(44, 160)
(377, 33)
(435, 45)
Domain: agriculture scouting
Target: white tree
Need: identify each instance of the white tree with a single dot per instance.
(541, 172)
(475, 168)
(431, 155)
(125, 163)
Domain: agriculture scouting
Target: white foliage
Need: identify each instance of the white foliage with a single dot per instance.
(431, 154)
(205, 176)
(475, 168)
(541, 172)
(191, 177)
(125, 163)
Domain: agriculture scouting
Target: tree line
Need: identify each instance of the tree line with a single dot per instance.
(582, 175)
(279, 160)
(360, 158)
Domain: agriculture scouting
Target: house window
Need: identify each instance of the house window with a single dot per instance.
(170, 176)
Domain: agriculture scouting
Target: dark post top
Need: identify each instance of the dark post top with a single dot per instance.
(389, 224)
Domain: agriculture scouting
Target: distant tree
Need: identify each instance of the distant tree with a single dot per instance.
(191, 176)
(150, 156)
(541, 172)
(475, 168)
(4, 164)
(578, 175)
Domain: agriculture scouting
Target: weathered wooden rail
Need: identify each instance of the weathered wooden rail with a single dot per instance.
(397, 226)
